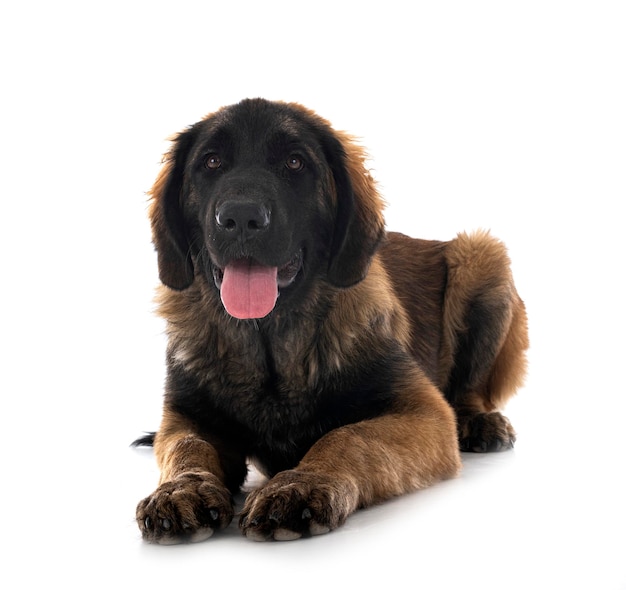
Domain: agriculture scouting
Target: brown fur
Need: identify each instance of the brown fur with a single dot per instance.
(422, 328)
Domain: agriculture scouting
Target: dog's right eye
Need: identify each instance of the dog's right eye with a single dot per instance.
(213, 162)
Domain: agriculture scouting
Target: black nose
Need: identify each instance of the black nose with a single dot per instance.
(244, 216)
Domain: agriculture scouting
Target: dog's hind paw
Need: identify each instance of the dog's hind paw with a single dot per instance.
(485, 432)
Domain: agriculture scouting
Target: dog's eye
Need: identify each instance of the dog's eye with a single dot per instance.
(213, 162)
(294, 163)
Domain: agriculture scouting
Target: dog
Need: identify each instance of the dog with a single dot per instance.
(347, 363)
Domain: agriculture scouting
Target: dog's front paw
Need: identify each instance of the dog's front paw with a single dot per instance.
(293, 504)
(189, 508)
(483, 433)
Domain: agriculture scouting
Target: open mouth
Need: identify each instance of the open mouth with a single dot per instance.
(249, 290)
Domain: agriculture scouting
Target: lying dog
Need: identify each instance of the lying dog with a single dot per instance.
(348, 364)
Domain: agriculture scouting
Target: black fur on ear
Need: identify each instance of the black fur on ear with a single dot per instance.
(176, 268)
(359, 222)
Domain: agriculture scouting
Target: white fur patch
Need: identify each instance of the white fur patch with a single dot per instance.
(286, 535)
(202, 534)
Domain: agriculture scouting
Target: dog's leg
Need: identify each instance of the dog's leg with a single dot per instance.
(356, 466)
(193, 499)
(485, 339)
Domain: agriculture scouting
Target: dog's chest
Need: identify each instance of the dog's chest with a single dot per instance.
(250, 364)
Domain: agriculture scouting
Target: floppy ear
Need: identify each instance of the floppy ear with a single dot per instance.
(359, 222)
(168, 228)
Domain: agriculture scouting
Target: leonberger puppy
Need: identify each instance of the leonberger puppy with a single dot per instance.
(347, 363)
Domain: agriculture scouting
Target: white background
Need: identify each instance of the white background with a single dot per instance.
(503, 115)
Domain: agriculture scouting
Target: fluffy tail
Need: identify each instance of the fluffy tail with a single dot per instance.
(145, 441)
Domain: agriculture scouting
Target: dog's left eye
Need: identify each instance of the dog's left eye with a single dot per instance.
(294, 163)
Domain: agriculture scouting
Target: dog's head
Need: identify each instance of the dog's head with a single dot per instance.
(260, 199)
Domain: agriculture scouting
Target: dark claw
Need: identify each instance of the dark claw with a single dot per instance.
(306, 514)
(214, 515)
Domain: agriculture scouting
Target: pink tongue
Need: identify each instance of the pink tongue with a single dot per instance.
(249, 290)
